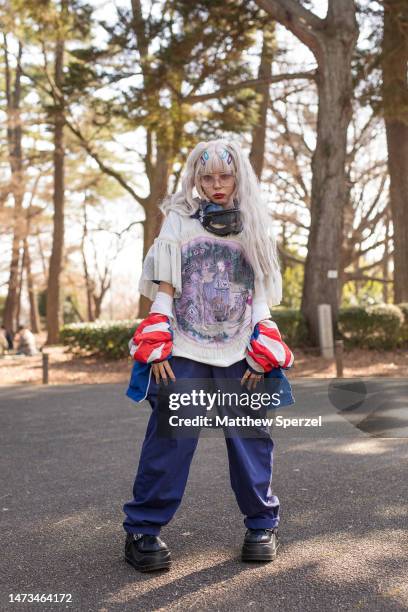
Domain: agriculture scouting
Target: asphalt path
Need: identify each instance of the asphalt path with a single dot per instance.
(68, 459)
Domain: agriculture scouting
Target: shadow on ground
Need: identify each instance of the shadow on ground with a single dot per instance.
(68, 460)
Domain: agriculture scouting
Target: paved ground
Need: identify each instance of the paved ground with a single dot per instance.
(68, 457)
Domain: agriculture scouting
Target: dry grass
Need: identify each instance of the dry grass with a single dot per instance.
(64, 369)
(68, 369)
(356, 363)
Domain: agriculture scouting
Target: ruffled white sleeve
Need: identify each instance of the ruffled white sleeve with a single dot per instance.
(267, 293)
(272, 285)
(260, 308)
(163, 259)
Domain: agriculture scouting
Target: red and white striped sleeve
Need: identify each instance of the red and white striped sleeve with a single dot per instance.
(266, 349)
(152, 341)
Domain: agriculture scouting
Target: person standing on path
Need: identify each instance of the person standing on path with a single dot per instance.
(224, 232)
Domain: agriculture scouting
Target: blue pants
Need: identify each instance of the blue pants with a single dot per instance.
(165, 463)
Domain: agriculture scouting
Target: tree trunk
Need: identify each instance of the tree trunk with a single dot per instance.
(257, 154)
(10, 306)
(153, 221)
(332, 40)
(54, 301)
(395, 100)
(98, 304)
(89, 285)
(329, 189)
(20, 291)
(385, 261)
(32, 297)
(284, 243)
(105, 284)
(14, 138)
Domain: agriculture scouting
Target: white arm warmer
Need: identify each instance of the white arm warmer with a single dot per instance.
(163, 304)
(260, 311)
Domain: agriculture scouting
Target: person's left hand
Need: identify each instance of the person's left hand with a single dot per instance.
(250, 379)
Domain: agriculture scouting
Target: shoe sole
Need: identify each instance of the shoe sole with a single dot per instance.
(259, 552)
(151, 562)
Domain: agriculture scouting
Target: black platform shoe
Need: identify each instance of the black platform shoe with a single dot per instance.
(146, 553)
(260, 545)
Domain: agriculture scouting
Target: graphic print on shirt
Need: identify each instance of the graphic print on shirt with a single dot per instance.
(217, 288)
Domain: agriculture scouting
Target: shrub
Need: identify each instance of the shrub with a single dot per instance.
(377, 326)
(104, 338)
(404, 330)
(291, 325)
(381, 326)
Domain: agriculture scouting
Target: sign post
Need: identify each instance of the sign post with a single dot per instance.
(324, 316)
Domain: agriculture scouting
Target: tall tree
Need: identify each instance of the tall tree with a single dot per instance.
(395, 107)
(176, 58)
(257, 153)
(55, 25)
(162, 103)
(89, 285)
(332, 41)
(32, 296)
(54, 301)
(15, 155)
(287, 174)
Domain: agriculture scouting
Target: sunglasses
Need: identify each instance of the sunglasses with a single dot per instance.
(224, 179)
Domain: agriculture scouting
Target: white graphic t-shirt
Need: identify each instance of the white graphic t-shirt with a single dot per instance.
(215, 290)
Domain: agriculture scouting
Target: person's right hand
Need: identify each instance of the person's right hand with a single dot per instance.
(161, 370)
(152, 340)
(266, 349)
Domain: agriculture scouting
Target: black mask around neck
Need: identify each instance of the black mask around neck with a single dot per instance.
(219, 220)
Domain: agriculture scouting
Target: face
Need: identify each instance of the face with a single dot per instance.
(218, 187)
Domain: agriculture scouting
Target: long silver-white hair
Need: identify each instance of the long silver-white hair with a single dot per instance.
(257, 237)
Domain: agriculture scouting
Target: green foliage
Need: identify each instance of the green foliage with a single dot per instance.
(70, 306)
(2, 304)
(107, 339)
(363, 293)
(378, 326)
(198, 46)
(70, 309)
(291, 325)
(381, 326)
(42, 303)
(404, 330)
(110, 339)
(292, 286)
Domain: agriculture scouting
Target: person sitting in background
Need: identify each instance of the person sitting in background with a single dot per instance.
(9, 337)
(26, 342)
(3, 342)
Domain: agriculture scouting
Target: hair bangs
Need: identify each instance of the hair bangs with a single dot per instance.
(215, 160)
(221, 156)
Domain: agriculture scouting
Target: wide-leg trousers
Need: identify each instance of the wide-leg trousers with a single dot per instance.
(165, 463)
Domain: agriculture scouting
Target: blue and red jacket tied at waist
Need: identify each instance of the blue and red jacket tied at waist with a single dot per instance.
(277, 382)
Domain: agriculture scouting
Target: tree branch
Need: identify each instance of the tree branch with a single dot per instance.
(140, 29)
(359, 277)
(290, 218)
(105, 169)
(289, 256)
(356, 256)
(370, 266)
(304, 24)
(250, 83)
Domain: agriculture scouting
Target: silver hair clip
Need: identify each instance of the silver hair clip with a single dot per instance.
(204, 157)
(227, 156)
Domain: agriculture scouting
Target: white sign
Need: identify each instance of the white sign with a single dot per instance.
(324, 315)
(332, 274)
